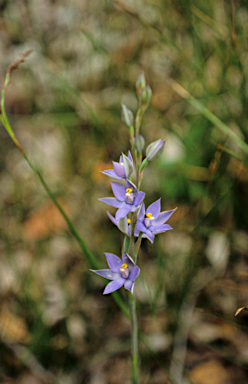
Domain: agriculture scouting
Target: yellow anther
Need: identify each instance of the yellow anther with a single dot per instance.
(128, 221)
(129, 190)
(148, 214)
(124, 266)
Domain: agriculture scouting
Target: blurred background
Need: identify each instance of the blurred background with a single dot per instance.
(64, 107)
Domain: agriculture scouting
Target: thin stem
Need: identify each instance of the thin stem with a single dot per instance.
(137, 247)
(134, 339)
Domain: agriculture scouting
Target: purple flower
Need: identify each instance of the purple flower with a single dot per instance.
(121, 272)
(151, 221)
(121, 170)
(127, 198)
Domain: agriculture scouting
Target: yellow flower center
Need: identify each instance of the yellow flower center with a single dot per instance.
(129, 190)
(148, 214)
(128, 221)
(124, 271)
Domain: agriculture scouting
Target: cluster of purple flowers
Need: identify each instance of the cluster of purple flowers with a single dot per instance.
(149, 222)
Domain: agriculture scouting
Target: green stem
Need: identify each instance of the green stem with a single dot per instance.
(132, 314)
(134, 339)
(137, 247)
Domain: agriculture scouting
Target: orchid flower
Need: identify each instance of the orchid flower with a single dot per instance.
(127, 198)
(121, 272)
(121, 170)
(152, 221)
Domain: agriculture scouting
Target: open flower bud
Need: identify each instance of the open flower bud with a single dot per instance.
(154, 150)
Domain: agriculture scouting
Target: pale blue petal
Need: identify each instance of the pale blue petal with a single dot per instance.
(110, 173)
(107, 273)
(114, 262)
(141, 226)
(149, 235)
(139, 198)
(160, 228)
(112, 218)
(112, 201)
(130, 156)
(154, 208)
(114, 285)
(141, 212)
(119, 169)
(129, 285)
(134, 273)
(119, 190)
(123, 211)
(163, 217)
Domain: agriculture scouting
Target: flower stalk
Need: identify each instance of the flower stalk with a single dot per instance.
(134, 338)
(131, 217)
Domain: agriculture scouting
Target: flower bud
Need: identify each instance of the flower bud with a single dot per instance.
(127, 115)
(139, 142)
(146, 95)
(154, 150)
(140, 84)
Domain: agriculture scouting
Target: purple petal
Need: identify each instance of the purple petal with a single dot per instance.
(154, 208)
(112, 218)
(123, 211)
(160, 228)
(139, 198)
(119, 190)
(119, 169)
(112, 201)
(128, 260)
(129, 285)
(146, 232)
(107, 273)
(134, 273)
(114, 262)
(150, 236)
(141, 226)
(141, 212)
(130, 156)
(113, 285)
(111, 173)
(163, 217)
